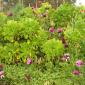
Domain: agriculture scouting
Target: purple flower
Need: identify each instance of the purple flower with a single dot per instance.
(79, 63)
(51, 29)
(66, 57)
(76, 72)
(59, 30)
(29, 61)
(1, 74)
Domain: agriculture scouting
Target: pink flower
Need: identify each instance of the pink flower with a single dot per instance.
(29, 61)
(51, 29)
(79, 63)
(59, 30)
(1, 74)
(76, 72)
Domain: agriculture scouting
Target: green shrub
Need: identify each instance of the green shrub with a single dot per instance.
(19, 35)
(3, 19)
(26, 12)
(26, 35)
(53, 48)
(64, 15)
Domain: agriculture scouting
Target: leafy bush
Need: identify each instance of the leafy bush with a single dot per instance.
(26, 12)
(18, 35)
(3, 19)
(65, 14)
(53, 48)
(35, 52)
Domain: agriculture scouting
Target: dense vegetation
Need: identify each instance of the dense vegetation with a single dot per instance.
(43, 46)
